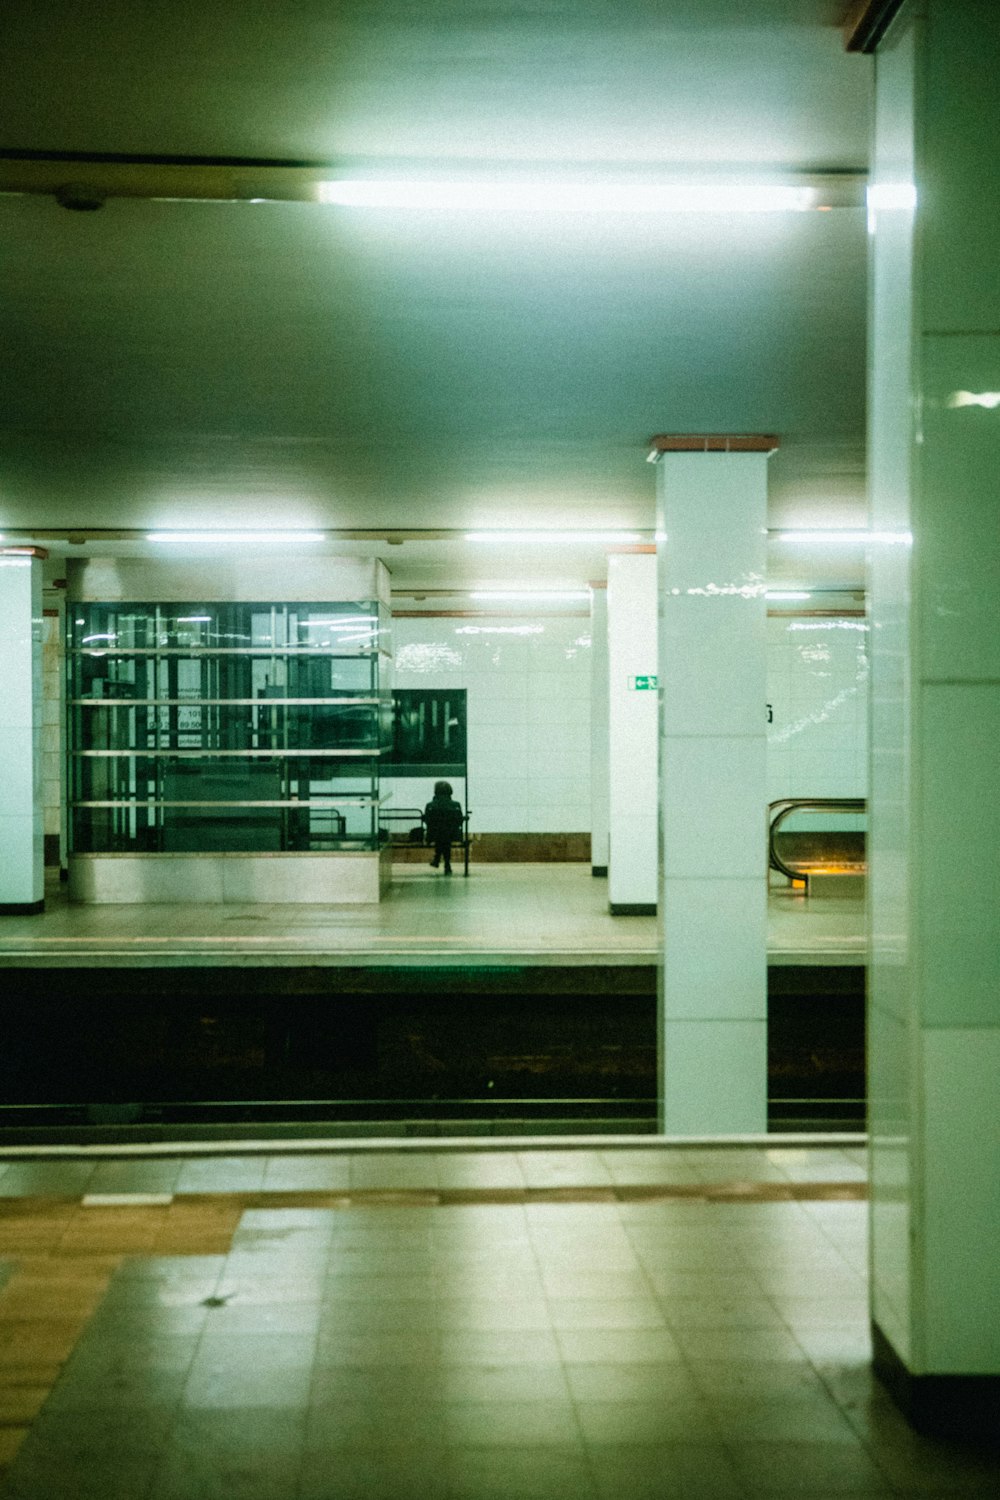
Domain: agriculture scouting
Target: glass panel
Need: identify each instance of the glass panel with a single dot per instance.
(429, 727)
(104, 674)
(346, 629)
(101, 778)
(196, 725)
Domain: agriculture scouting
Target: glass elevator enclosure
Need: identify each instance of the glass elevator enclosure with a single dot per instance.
(252, 727)
(227, 722)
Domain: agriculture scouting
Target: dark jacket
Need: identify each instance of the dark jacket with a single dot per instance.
(443, 817)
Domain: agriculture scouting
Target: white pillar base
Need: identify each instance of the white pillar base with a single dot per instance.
(22, 814)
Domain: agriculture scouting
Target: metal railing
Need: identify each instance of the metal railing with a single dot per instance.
(779, 810)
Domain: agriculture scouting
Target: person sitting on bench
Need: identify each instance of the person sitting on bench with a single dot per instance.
(443, 820)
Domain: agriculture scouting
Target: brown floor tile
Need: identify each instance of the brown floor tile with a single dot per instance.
(30, 1241)
(33, 1343)
(57, 1268)
(191, 1245)
(11, 1439)
(20, 1404)
(38, 1296)
(39, 1204)
(24, 1373)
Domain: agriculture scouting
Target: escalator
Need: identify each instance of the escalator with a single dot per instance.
(828, 859)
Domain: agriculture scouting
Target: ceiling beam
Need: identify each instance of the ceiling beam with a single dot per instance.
(85, 181)
(867, 22)
(79, 180)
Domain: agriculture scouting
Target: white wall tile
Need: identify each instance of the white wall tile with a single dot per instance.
(890, 1129)
(958, 890)
(500, 817)
(559, 711)
(714, 1071)
(714, 966)
(493, 754)
(633, 857)
(528, 710)
(960, 1289)
(22, 879)
(557, 750)
(709, 687)
(558, 817)
(20, 770)
(709, 823)
(959, 514)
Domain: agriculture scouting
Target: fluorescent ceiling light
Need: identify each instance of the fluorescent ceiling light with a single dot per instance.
(556, 538)
(989, 399)
(237, 538)
(531, 596)
(194, 619)
(846, 538)
(879, 195)
(785, 595)
(570, 197)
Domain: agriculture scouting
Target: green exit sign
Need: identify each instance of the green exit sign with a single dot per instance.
(642, 684)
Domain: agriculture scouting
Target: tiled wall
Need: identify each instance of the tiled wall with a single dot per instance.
(528, 684)
(817, 685)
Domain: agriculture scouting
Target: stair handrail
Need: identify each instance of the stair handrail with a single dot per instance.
(780, 809)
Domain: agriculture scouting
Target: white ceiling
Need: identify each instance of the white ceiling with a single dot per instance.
(190, 364)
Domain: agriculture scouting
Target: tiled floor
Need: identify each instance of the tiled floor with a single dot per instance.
(602, 1322)
(537, 914)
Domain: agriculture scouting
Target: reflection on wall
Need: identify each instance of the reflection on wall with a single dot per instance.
(817, 685)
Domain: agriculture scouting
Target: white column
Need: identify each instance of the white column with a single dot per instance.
(934, 825)
(22, 813)
(599, 773)
(632, 736)
(712, 512)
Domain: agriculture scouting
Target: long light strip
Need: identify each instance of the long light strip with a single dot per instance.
(237, 538)
(571, 197)
(845, 538)
(556, 538)
(775, 596)
(530, 596)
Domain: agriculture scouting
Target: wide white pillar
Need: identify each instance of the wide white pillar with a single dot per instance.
(22, 813)
(934, 821)
(712, 521)
(632, 748)
(600, 784)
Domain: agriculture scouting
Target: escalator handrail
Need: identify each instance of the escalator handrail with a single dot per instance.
(779, 810)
